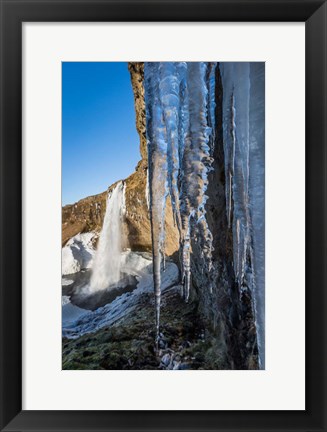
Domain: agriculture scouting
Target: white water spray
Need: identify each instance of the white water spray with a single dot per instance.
(106, 270)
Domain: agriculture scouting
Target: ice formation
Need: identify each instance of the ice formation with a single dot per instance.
(243, 132)
(106, 268)
(180, 100)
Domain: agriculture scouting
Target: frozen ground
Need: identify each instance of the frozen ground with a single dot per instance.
(78, 253)
(77, 321)
(70, 312)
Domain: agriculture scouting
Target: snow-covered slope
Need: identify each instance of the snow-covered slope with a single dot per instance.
(77, 322)
(78, 253)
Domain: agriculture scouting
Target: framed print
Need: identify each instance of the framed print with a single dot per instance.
(163, 215)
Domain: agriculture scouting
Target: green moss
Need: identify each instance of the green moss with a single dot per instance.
(130, 344)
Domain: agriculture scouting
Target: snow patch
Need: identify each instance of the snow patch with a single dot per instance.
(77, 322)
(65, 300)
(66, 282)
(78, 253)
(70, 313)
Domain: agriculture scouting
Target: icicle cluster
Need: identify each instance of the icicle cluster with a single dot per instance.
(180, 110)
(243, 136)
(180, 105)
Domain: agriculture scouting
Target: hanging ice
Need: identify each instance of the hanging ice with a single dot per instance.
(180, 117)
(257, 196)
(169, 87)
(195, 165)
(158, 168)
(106, 267)
(243, 131)
(181, 122)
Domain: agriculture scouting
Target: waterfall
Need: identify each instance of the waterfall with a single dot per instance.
(107, 262)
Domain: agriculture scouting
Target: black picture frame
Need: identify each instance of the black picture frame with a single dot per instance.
(13, 14)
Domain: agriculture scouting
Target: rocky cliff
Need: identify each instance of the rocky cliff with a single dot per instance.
(83, 216)
(136, 70)
(88, 214)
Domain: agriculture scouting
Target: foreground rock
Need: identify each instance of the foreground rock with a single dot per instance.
(128, 343)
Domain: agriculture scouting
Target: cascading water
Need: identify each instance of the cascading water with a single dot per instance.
(107, 263)
(180, 113)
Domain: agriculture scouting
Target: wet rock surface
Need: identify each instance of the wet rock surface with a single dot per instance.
(129, 343)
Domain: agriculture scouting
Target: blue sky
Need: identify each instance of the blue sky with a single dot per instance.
(100, 144)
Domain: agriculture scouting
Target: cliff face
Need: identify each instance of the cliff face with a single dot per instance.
(83, 216)
(88, 213)
(137, 76)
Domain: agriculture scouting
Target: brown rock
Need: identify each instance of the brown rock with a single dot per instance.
(88, 213)
(136, 70)
(83, 216)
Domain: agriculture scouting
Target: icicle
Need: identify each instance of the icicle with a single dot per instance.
(243, 132)
(169, 84)
(236, 105)
(147, 194)
(158, 188)
(212, 103)
(257, 197)
(163, 260)
(180, 115)
(231, 161)
(180, 112)
(197, 159)
(186, 258)
(229, 127)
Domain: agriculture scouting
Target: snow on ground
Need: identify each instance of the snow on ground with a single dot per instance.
(133, 263)
(70, 312)
(64, 300)
(78, 253)
(136, 263)
(66, 282)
